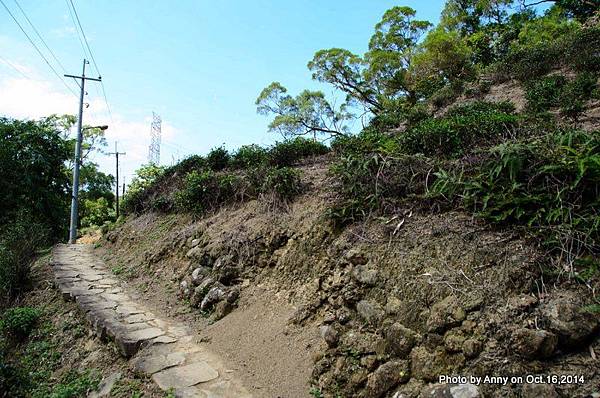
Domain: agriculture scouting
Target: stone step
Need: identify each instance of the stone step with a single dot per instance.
(157, 348)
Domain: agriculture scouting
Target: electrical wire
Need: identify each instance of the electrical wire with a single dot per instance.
(10, 64)
(40, 37)
(89, 50)
(36, 48)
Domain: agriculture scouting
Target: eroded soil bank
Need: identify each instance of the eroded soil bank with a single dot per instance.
(377, 309)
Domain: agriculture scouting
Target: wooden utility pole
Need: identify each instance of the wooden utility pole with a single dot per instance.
(117, 153)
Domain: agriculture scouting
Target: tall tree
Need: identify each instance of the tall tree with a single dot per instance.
(345, 71)
(307, 113)
(391, 50)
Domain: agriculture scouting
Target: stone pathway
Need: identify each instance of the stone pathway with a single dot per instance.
(157, 348)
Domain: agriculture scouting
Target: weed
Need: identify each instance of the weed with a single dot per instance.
(316, 392)
(19, 321)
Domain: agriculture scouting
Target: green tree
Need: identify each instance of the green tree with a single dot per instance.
(307, 113)
(391, 50)
(33, 178)
(445, 58)
(345, 71)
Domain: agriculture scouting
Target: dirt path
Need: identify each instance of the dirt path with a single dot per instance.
(158, 347)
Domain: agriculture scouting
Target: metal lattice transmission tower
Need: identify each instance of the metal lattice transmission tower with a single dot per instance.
(154, 150)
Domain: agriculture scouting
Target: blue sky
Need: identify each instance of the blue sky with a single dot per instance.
(199, 64)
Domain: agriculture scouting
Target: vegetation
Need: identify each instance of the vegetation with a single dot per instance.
(221, 178)
(18, 322)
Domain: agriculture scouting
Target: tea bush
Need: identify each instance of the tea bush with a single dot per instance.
(218, 159)
(460, 130)
(289, 152)
(248, 156)
(283, 182)
(207, 190)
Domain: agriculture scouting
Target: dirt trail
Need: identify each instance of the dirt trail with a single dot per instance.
(158, 347)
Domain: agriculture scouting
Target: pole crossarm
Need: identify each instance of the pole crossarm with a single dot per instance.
(99, 79)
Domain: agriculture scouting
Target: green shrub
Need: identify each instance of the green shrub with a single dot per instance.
(548, 184)
(18, 244)
(372, 183)
(193, 162)
(283, 182)
(576, 92)
(461, 130)
(544, 93)
(147, 177)
(248, 156)
(582, 50)
(367, 141)
(19, 321)
(207, 190)
(553, 91)
(576, 48)
(76, 384)
(96, 212)
(218, 159)
(289, 152)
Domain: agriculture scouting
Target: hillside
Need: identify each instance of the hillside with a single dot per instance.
(450, 248)
(380, 306)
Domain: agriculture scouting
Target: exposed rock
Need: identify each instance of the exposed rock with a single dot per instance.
(400, 340)
(385, 377)
(428, 365)
(233, 294)
(194, 242)
(565, 318)
(195, 252)
(200, 291)
(393, 306)
(522, 302)
(358, 378)
(361, 342)
(450, 391)
(445, 314)
(365, 274)
(223, 261)
(471, 348)
(343, 315)
(356, 256)
(330, 335)
(369, 311)
(106, 386)
(199, 274)
(533, 343)
(454, 340)
(227, 274)
(213, 296)
(538, 390)
(222, 309)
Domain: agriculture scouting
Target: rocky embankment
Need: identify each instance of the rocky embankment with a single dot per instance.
(398, 302)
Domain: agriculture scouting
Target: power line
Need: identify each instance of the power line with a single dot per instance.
(89, 51)
(85, 54)
(36, 48)
(40, 36)
(84, 37)
(7, 62)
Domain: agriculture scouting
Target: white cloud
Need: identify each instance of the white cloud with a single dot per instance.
(23, 98)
